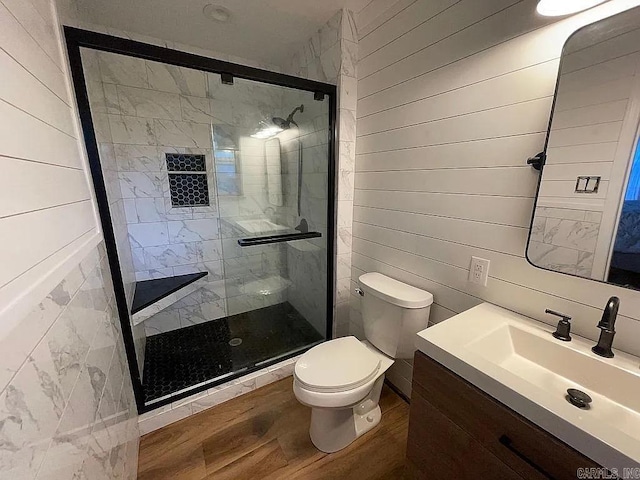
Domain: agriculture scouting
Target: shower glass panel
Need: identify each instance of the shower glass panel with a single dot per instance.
(219, 197)
(271, 165)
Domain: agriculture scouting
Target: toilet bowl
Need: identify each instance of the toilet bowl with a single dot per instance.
(341, 379)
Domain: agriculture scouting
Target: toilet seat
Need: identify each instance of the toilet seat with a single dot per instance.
(338, 365)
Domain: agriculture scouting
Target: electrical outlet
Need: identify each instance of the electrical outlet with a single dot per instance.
(479, 271)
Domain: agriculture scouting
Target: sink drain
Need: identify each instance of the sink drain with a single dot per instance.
(234, 342)
(578, 398)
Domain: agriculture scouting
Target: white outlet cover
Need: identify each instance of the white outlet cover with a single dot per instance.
(479, 271)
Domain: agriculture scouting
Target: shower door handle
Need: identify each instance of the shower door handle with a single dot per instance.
(249, 242)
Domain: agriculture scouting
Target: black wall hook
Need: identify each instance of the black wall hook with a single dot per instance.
(538, 161)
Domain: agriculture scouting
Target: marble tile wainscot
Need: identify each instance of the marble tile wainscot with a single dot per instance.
(66, 404)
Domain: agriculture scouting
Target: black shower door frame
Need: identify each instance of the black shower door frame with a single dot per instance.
(78, 38)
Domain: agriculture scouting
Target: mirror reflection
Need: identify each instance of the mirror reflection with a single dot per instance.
(587, 216)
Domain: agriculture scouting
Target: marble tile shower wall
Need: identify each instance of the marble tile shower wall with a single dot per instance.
(66, 402)
(564, 239)
(255, 277)
(150, 110)
(307, 259)
(331, 55)
(99, 111)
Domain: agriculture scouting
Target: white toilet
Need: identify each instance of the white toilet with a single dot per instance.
(341, 379)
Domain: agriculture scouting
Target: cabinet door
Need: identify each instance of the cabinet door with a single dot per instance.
(439, 448)
(524, 447)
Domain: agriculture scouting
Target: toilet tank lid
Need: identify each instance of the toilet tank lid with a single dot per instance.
(395, 292)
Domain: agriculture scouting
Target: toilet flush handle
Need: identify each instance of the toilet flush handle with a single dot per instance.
(359, 291)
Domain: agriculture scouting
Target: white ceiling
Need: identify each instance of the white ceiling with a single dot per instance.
(267, 31)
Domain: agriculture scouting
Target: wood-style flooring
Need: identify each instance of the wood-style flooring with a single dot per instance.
(265, 435)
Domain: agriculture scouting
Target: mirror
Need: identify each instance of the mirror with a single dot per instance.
(586, 220)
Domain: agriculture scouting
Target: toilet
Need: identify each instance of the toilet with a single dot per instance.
(341, 379)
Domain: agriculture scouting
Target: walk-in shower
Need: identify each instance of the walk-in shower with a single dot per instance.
(217, 209)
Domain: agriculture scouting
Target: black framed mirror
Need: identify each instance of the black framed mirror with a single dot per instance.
(586, 220)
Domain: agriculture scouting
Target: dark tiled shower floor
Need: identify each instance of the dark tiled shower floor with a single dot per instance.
(189, 356)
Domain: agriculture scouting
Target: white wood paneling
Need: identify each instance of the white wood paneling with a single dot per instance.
(17, 42)
(371, 13)
(19, 132)
(446, 121)
(591, 115)
(523, 51)
(498, 91)
(491, 209)
(507, 181)
(41, 28)
(521, 118)
(396, 22)
(38, 186)
(30, 238)
(20, 88)
(47, 216)
(444, 44)
(494, 152)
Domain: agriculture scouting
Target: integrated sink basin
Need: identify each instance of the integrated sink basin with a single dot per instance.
(517, 361)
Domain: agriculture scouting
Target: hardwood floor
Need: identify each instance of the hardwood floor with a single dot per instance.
(265, 435)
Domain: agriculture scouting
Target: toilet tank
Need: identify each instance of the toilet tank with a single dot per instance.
(392, 313)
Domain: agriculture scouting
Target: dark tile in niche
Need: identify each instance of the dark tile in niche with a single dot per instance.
(181, 162)
(188, 189)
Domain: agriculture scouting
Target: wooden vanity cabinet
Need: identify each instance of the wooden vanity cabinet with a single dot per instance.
(457, 431)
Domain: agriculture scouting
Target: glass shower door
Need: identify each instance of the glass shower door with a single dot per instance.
(271, 167)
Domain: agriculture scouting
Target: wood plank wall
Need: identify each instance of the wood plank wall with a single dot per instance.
(46, 212)
(453, 97)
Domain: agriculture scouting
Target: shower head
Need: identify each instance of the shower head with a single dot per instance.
(285, 124)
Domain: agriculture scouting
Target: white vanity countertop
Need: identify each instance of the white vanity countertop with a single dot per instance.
(516, 360)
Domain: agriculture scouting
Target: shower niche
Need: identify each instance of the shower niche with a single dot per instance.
(216, 202)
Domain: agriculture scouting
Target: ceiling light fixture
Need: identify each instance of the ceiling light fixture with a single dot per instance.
(556, 8)
(217, 13)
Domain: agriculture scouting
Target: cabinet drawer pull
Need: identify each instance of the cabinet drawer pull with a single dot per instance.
(507, 442)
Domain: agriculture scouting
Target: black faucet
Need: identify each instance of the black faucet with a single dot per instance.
(607, 326)
(563, 330)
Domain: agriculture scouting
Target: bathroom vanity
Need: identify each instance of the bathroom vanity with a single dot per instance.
(489, 400)
(458, 431)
